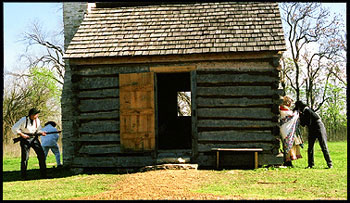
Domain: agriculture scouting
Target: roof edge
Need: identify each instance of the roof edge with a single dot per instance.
(176, 58)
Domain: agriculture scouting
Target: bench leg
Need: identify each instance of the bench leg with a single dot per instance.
(255, 159)
(217, 159)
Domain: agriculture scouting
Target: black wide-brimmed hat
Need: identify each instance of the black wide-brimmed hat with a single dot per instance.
(33, 111)
(51, 123)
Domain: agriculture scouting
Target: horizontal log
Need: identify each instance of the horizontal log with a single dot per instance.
(261, 55)
(98, 137)
(124, 161)
(206, 147)
(233, 102)
(98, 82)
(172, 69)
(235, 78)
(100, 149)
(100, 70)
(241, 113)
(94, 162)
(237, 149)
(100, 126)
(222, 123)
(228, 160)
(240, 160)
(113, 114)
(88, 105)
(237, 66)
(97, 94)
(279, 92)
(271, 159)
(234, 135)
(235, 91)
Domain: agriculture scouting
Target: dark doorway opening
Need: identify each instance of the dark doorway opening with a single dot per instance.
(174, 130)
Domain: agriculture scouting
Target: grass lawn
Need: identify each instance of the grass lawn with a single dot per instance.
(289, 183)
(263, 183)
(63, 184)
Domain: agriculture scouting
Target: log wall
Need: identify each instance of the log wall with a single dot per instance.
(236, 105)
(98, 137)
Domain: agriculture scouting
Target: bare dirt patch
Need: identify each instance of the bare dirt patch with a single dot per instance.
(160, 185)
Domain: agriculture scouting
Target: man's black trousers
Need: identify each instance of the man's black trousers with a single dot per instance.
(318, 131)
(26, 144)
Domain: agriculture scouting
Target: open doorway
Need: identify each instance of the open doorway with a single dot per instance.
(174, 124)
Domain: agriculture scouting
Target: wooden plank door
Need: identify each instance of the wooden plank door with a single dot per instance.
(137, 112)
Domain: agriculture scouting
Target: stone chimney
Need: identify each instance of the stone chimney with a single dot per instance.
(73, 14)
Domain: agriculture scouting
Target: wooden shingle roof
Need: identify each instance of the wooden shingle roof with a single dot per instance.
(167, 29)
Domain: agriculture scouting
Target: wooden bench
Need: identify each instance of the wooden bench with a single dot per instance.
(255, 150)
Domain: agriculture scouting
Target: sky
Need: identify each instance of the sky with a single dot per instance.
(18, 16)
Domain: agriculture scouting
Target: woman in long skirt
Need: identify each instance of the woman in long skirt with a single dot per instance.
(291, 137)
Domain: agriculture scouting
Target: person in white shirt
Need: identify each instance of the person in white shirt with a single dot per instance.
(30, 124)
(50, 141)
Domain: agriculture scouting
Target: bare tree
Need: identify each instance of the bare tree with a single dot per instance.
(40, 84)
(13, 103)
(53, 56)
(316, 46)
(184, 104)
(22, 94)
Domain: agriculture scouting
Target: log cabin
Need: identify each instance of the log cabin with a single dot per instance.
(126, 63)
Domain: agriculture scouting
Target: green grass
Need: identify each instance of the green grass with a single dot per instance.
(58, 188)
(288, 183)
(263, 183)
(63, 184)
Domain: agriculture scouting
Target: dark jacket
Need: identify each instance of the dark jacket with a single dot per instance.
(308, 117)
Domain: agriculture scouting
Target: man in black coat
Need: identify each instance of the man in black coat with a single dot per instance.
(316, 131)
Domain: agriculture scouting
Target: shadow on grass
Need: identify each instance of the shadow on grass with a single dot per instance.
(34, 174)
(52, 173)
